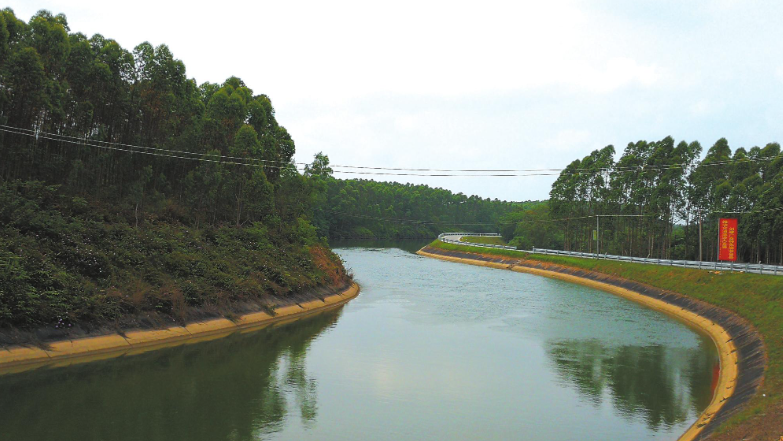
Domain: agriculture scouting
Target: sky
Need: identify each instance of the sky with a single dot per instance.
(475, 85)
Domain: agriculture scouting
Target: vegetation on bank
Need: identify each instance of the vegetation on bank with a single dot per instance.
(129, 190)
(489, 240)
(757, 298)
(68, 262)
(654, 199)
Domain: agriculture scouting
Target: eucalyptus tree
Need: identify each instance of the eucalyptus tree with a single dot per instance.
(563, 200)
(688, 156)
(246, 147)
(710, 188)
(141, 133)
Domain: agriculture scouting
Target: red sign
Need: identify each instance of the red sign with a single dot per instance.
(727, 239)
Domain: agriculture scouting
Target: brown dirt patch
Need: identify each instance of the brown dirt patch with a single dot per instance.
(329, 263)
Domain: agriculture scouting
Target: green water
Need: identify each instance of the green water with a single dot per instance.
(430, 350)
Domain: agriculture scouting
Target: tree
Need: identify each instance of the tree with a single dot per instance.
(319, 167)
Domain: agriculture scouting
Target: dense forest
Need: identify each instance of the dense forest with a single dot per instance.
(654, 200)
(361, 209)
(75, 111)
(128, 188)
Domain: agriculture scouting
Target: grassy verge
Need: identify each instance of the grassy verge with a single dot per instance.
(489, 240)
(757, 298)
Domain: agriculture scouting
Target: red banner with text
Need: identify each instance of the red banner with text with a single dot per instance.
(727, 238)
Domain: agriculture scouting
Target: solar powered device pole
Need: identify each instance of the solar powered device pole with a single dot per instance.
(597, 235)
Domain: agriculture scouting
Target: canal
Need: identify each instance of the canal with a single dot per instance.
(429, 350)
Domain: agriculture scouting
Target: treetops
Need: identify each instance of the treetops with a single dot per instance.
(65, 81)
(66, 86)
(669, 191)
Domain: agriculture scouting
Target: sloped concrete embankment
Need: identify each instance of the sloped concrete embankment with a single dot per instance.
(67, 352)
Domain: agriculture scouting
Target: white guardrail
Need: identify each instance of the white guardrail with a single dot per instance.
(714, 266)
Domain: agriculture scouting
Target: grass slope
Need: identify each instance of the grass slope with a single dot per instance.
(757, 298)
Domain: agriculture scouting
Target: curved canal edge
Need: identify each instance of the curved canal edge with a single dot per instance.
(82, 350)
(740, 348)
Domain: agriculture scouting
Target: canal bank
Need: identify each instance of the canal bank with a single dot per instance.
(741, 350)
(67, 352)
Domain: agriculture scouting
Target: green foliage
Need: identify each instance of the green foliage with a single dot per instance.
(319, 168)
(92, 89)
(366, 209)
(306, 232)
(60, 261)
(652, 201)
(531, 226)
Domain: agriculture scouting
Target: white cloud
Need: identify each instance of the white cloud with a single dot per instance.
(407, 123)
(706, 107)
(325, 51)
(622, 72)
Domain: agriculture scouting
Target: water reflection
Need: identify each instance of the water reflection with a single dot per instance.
(661, 385)
(237, 388)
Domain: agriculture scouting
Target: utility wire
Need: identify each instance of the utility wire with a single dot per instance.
(48, 135)
(203, 158)
(133, 147)
(381, 171)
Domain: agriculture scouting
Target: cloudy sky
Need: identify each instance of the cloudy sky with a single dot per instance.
(466, 85)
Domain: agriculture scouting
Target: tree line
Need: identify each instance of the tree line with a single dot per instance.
(212, 153)
(363, 209)
(659, 198)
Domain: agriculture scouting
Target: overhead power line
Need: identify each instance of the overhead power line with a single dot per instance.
(205, 157)
(134, 147)
(366, 170)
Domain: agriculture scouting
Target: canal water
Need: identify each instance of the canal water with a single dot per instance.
(430, 350)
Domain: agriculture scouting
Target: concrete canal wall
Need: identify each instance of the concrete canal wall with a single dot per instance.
(66, 352)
